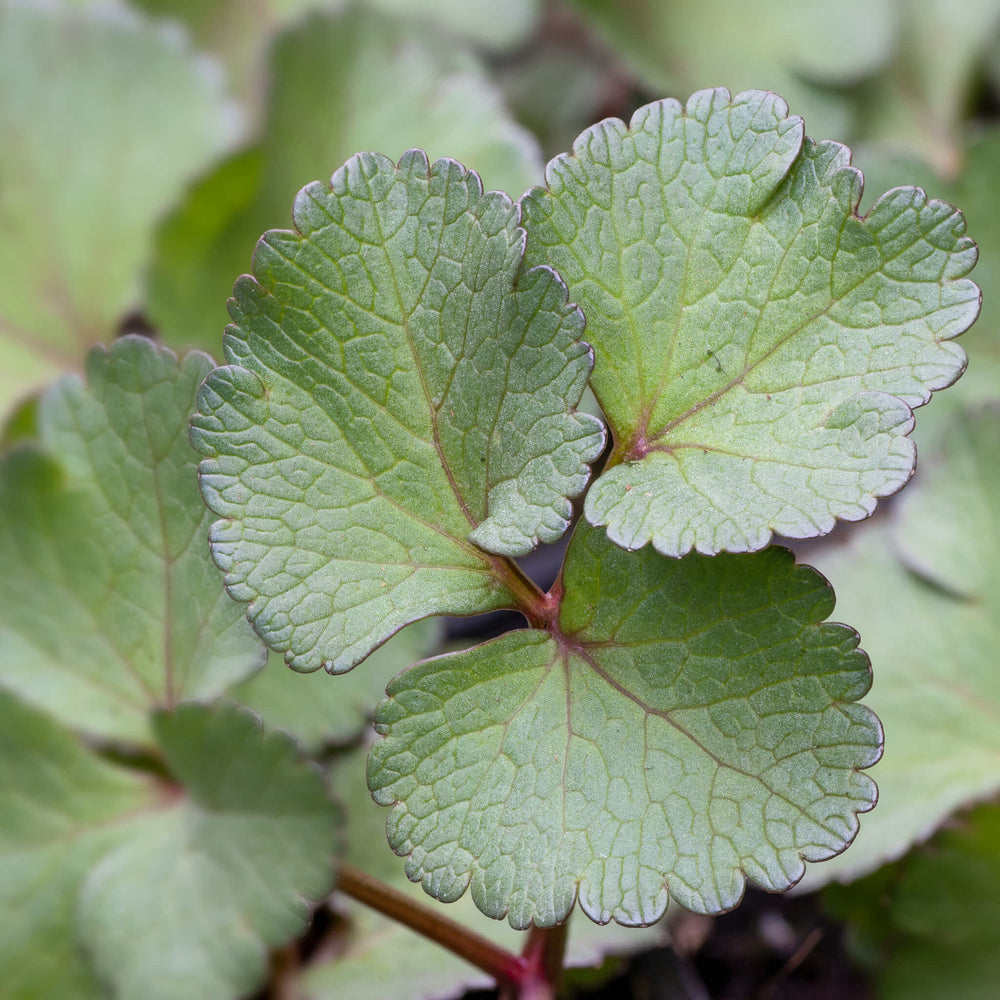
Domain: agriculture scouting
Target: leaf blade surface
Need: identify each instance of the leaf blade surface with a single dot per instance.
(693, 727)
(398, 402)
(759, 346)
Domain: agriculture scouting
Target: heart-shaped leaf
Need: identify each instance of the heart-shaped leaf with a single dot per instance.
(687, 725)
(758, 344)
(61, 809)
(397, 406)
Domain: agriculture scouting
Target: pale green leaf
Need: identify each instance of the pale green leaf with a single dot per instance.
(340, 84)
(61, 808)
(689, 725)
(758, 345)
(923, 588)
(929, 921)
(219, 877)
(810, 53)
(419, 967)
(109, 603)
(394, 406)
(975, 189)
(319, 710)
(104, 119)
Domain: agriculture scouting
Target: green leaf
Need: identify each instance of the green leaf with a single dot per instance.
(399, 400)
(61, 808)
(688, 726)
(109, 603)
(923, 587)
(318, 710)
(220, 877)
(105, 117)
(372, 83)
(975, 190)
(758, 345)
(931, 918)
(810, 53)
(419, 967)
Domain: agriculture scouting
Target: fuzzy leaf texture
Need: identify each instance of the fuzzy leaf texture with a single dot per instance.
(109, 604)
(397, 406)
(690, 724)
(759, 346)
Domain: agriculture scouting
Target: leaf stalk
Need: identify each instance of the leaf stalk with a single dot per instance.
(508, 969)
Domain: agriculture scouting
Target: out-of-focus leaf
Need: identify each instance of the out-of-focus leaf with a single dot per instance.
(399, 404)
(807, 52)
(689, 724)
(104, 118)
(109, 602)
(928, 924)
(61, 809)
(758, 345)
(340, 84)
(317, 709)
(923, 588)
(484, 22)
(222, 875)
(557, 88)
(241, 36)
(921, 99)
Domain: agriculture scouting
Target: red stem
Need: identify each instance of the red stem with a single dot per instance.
(504, 966)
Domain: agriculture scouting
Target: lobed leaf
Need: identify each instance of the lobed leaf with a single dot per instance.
(109, 603)
(397, 406)
(758, 345)
(420, 967)
(689, 725)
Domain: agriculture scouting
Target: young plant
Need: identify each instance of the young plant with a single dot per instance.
(397, 424)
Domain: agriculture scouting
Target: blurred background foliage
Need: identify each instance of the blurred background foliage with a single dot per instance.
(145, 146)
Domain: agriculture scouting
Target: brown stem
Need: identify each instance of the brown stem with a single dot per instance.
(504, 966)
